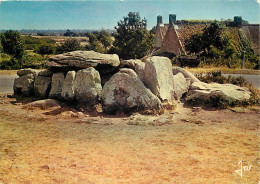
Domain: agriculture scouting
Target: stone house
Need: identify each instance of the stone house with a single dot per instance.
(167, 38)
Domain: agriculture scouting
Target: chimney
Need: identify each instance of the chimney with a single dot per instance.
(159, 19)
(172, 19)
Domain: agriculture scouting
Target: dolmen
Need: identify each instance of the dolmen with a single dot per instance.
(90, 78)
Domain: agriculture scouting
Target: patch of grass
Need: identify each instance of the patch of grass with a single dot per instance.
(223, 70)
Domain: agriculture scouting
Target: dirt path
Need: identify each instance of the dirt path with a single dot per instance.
(183, 146)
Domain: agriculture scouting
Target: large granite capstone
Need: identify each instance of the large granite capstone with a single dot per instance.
(82, 59)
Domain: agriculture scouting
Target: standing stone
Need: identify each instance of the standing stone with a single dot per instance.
(42, 86)
(180, 85)
(158, 77)
(125, 91)
(87, 86)
(24, 85)
(67, 92)
(45, 73)
(56, 85)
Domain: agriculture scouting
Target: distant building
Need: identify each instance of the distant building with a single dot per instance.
(167, 37)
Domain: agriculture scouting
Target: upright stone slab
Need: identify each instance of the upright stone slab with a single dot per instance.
(158, 77)
(45, 73)
(125, 91)
(56, 85)
(42, 86)
(67, 92)
(87, 86)
(24, 85)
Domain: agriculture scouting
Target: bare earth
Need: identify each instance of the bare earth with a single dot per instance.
(182, 146)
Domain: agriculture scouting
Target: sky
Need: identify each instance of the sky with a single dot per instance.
(106, 13)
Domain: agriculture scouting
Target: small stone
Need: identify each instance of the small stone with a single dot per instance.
(45, 167)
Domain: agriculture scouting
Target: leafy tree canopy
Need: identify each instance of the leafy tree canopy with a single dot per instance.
(100, 41)
(45, 50)
(132, 39)
(13, 44)
(213, 42)
(69, 45)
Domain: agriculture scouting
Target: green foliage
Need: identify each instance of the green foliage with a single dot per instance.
(217, 47)
(214, 42)
(99, 41)
(195, 43)
(32, 43)
(30, 60)
(219, 78)
(45, 50)
(69, 45)
(13, 45)
(252, 61)
(132, 39)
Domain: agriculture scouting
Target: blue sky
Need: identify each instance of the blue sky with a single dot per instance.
(106, 13)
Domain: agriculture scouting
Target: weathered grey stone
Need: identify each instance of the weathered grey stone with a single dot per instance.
(43, 104)
(24, 85)
(136, 64)
(26, 71)
(126, 91)
(42, 86)
(158, 77)
(180, 85)
(56, 85)
(139, 69)
(67, 92)
(131, 63)
(201, 92)
(87, 86)
(186, 74)
(83, 59)
(45, 73)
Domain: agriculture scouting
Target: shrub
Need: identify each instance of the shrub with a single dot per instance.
(45, 50)
(69, 45)
(13, 45)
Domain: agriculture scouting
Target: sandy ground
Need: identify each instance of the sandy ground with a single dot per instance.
(186, 145)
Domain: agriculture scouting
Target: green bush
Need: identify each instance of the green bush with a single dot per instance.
(100, 41)
(13, 44)
(32, 43)
(69, 45)
(45, 49)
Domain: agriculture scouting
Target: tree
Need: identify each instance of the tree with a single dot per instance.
(68, 46)
(132, 39)
(13, 45)
(99, 41)
(213, 42)
(45, 50)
